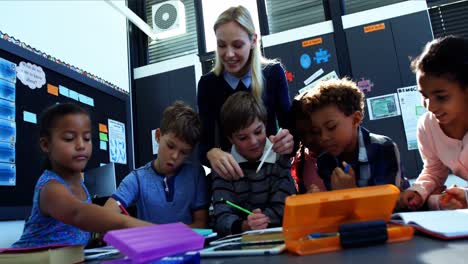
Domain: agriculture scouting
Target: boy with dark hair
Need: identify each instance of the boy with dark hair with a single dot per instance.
(168, 189)
(352, 156)
(243, 119)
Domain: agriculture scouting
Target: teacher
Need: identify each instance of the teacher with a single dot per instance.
(240, 66)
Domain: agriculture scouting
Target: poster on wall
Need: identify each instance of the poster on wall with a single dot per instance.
(328, 76)
(155, 143)
(7, 71)
(383, 106)
(7, 123)
(31, 75)
(117, 143)
(411, 109)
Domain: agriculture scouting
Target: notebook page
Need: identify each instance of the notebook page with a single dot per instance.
(448, 223)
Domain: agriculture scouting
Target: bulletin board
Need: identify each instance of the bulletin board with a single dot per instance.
(306, 61)
(29, 83)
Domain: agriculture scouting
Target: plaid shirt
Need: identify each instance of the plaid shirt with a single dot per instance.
(266, 190)
(378, 162)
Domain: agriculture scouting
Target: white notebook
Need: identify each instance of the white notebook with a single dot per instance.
(449, 224)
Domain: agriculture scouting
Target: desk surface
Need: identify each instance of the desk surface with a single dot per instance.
(420, 249)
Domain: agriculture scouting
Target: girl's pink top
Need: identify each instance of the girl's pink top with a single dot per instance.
(439, 153)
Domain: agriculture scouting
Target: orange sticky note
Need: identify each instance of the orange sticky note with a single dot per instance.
(102, 128)
(375, 27)
(52, 89)
(311, 42)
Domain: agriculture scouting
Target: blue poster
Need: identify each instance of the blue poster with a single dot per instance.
(7, 110)
(7, 71)
(7, 90)
(7, 131)
(7, 152)
(7, 174)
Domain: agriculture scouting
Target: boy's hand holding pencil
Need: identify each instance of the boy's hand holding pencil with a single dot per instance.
(257, 220)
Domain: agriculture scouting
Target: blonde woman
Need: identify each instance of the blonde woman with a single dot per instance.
(240, 67)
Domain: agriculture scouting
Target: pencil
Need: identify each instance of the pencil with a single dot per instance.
(236, 206)
(266, 154)
(124, 211)
(445, 199)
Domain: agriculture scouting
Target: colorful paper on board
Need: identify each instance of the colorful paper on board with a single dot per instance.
(103, 145)
(103, 136)
(29, 117)
(7, 110)
(64, 91)
(102, 128)
(7, 70)
(52, 89)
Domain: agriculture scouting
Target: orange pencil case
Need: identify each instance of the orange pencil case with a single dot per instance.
(333, 220)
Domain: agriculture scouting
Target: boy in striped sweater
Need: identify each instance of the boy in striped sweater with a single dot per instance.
(243, 120)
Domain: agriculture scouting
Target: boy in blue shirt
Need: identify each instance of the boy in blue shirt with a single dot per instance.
(169, 189)
(352, 156)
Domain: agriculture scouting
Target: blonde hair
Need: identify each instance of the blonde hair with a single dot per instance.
(241, 16)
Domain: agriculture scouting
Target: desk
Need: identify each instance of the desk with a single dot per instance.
(419, 250)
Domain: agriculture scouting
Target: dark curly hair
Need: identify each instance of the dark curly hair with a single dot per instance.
(445, 57)
(343, 93)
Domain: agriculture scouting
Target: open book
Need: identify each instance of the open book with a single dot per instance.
(56, 254)
(450, 224)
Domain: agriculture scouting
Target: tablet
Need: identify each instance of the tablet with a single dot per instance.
(243, 249)
(246, 234)
(227, 239)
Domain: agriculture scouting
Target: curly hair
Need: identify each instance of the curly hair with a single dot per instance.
(343, 93)
(444, 57)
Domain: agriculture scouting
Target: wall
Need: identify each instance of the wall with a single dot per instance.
(157, 86)
(88, 34)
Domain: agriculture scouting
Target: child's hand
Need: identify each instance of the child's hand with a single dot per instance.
(454, 198)
(283, 142)
(341, 180)
(313, 189)
(410, 199)
(257, 220)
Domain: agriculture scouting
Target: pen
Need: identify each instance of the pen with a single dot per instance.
(346, 168)
(266, 154)
(322, 235)
(236, 206)
(124, 211)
